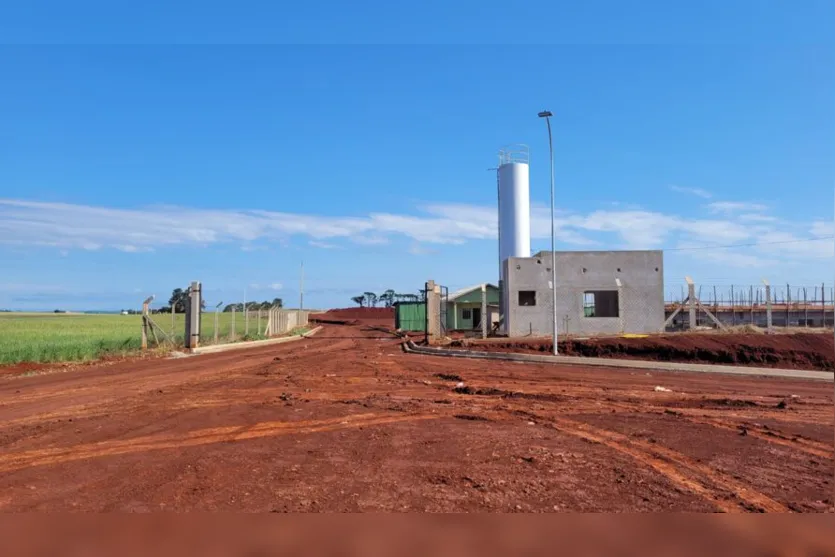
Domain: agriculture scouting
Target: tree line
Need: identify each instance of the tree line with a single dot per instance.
(179, 301)
(276, 303)
(387, 298)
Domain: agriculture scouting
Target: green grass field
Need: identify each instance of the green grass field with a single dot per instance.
(49, 337)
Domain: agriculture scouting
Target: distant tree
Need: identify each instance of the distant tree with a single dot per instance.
(370, 299)
(387, 297)
(421, 296)
(278, 303)
(359, 300)
(178, 300)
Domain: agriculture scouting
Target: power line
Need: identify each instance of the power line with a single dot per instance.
(753, 244)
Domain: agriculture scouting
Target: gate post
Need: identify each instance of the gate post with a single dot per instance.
(767, 305)
(192, 339)
(433, 310)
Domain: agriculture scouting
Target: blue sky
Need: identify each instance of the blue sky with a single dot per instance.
(130, 169)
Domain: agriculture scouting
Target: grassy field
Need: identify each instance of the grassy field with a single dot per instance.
(49, 337)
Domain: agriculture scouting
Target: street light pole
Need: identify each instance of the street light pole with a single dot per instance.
(547, 115)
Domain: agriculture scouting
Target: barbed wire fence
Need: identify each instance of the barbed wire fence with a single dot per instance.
(221, 324)
(764, 305)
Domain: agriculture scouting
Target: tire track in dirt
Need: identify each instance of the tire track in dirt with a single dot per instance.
(62, 455)
(574, 403)
(808, 446)
(683, 471)
(133, 387)
(678, 468)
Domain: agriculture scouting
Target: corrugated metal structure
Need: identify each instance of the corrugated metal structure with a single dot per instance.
(410, 316)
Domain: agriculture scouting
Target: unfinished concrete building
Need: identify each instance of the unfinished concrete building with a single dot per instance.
(598, 292)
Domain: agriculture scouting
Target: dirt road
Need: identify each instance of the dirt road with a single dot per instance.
(345, 421)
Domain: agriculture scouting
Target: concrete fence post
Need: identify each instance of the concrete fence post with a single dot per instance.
(217, 324)
(145, 316)
(691, 302)
(767, 305)
(192, 339)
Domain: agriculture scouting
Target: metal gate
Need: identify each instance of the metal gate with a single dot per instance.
(442, 313)
(435, 300)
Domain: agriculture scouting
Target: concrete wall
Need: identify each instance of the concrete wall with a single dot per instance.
(640, 299)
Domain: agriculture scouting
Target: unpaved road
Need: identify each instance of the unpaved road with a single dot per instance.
(345, 421)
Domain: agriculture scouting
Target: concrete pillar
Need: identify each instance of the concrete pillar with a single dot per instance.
(192, 338)
(484, 316)
(767, 305)
(691, 302)
(433, 310)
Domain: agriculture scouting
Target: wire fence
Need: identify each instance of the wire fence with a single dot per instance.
(758, 305)
(221, 327)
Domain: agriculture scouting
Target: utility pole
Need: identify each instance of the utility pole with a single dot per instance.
(547, 115)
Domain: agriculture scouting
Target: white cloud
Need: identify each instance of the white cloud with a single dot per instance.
(374, 240)
(756, 217)
(419, 249)
(323, 245)
(275, 286)
(132, 249)
(698, 192)
(66, 226)
(250, 248)
(823, 228)
(728, 207)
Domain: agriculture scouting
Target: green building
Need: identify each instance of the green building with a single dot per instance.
(463, 308)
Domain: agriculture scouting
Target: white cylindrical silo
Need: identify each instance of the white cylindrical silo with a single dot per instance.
(514, 205)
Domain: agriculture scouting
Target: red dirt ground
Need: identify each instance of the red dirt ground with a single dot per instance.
(815, 351)
(378, 317)
(345, 421)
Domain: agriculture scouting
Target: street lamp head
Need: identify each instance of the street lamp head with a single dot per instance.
(545, 114)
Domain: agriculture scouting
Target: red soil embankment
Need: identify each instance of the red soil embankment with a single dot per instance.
(814, 351)
(380, 317)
